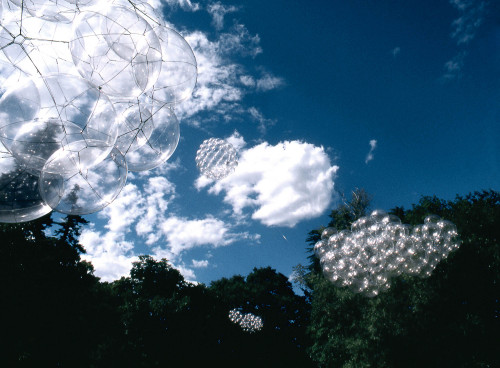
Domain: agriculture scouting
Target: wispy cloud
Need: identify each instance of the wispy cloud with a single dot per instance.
(222, 83)
(281, 184)
(464, 29)
(263, 123)
(217, 10)
(396, 51)
(142, 215)
(453, 67)
(186, 5)
(369, 156)
(470, 19)
(268, 82)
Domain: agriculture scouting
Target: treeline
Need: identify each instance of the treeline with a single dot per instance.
(55, 312)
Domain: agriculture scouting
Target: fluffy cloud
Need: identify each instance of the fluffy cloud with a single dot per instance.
(182, 234)
(140, 215)
(281, 184)
(200, 264)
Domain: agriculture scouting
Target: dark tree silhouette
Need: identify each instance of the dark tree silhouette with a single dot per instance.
(450, 319)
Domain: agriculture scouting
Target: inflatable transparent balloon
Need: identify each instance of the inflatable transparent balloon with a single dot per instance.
(216, 158)
(179, 68)
(20, 199)
(88, 93)
(51, 10)
(379, 247)
(35, 46)
(148, 135)
(85, 191)
(44, 115)
(118, 52)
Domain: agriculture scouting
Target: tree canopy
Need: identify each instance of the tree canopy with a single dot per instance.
(450, 319)
(55, 312)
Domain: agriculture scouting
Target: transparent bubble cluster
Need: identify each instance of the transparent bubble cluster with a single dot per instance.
(248, 322)
(88, 95)
(216, 158)
(380, 247)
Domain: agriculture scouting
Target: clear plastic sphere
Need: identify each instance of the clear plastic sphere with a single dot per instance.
(87, 191)
(36, 46)
(63, 109)
(51, 10)
(17, 106)
(248, 322)
(148, 138)
(379, 247)
(20, 199)
(216, 158)
(135, 127)
(118, 52)
(179, 69)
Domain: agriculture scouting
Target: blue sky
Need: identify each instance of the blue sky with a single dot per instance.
(398, 98)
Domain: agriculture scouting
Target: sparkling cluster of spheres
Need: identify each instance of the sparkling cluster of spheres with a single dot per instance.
(216, 158)
(380, 247)
(248, 322)
(88, 91)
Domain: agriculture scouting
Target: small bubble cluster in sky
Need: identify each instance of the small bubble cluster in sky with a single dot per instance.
(248, 322)
(90, 97)
(380, 247)
(216, 158)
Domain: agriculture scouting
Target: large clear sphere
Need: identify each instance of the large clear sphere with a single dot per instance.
(20, 199)
(118, 52)
(87, 191)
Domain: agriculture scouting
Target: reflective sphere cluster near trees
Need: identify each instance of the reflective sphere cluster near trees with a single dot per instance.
(248, 322)
(90, 96)
(380, 247)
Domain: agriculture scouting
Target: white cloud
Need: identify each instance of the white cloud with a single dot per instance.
(247, 80)
(396, 51)
(218, 11)
(200, 264)
(369, 156)
(186, 5)
(222, 83)
(268, 82)
(281, 184)
(261, 120)
(237, 141)
(470, 19)
(182, 234)
(140, 215)
(464, 29)
(453, 67)
(110, 253)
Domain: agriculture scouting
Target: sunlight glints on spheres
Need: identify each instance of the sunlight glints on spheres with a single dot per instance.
(216, 158)
(380, 247)
(248, 322)
(90, 96)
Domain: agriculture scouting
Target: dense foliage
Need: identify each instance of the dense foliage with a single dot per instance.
(450, 319)
(55, 312)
